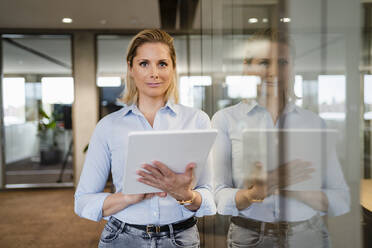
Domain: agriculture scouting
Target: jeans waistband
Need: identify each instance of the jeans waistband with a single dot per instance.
(271, 226)
(158, 228)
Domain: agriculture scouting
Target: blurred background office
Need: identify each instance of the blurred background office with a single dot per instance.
(62, 67)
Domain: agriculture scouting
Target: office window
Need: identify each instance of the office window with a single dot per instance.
(191, 89)
(368, 97)
(14, 101)
(57, 90)
(242, 86)
(331, 99)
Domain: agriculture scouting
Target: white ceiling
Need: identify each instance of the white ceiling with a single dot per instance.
(86, 14)
(138, 14)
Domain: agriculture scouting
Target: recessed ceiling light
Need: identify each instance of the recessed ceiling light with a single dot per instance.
(67, 20)
(252, 20)
(285, 19)
(265, 20)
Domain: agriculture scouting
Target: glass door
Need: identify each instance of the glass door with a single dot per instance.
(37, 94)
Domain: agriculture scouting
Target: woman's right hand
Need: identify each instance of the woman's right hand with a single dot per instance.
(118, 201)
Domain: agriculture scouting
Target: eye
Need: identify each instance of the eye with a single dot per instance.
(163, 64)
(282, 62)
(143, 64)
(264, 62)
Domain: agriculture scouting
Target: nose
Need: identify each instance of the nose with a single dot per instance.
(154, 73)
(273, 68)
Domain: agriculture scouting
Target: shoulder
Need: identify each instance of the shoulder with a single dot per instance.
(193, 115)
(191, 112)
(311, 117)
(226, 113)
(110, 119)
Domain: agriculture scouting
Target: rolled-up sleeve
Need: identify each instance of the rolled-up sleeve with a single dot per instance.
(335, 187)
(204, 185)
(89, 195)
(224, 190)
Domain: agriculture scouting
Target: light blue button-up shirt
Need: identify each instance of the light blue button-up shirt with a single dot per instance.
(227, 157)
(107, 153)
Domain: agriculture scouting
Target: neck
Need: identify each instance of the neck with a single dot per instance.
(150, 106)
(274, 106)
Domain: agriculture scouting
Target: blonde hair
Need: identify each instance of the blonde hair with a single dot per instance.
(130, 94)
(280, 37)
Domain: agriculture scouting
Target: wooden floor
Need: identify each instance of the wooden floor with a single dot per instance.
(44, 218)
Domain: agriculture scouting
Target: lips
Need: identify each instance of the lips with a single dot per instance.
(271, 84)
(153, 85)
(271, 81)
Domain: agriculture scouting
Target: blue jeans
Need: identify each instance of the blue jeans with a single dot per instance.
(310, 234)
(118, 234)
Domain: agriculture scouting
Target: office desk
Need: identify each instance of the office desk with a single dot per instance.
(366, 194)
(366, 202)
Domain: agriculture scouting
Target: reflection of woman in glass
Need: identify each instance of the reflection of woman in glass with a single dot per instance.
(164, 219)
(264, 214)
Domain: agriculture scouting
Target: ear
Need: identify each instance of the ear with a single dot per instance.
(129, 68)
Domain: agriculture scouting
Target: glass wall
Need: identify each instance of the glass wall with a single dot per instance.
(37, 93)
(287, 95)
(285, 83)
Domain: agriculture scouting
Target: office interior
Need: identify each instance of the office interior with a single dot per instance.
(63, 67)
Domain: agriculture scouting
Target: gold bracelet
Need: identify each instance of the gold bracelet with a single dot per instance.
(188, 202)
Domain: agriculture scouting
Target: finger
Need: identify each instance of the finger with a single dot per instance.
(300, 165)
(149, 195)
(146, 175)
(153, 170)
(258, 164)
(290, 165)
(294, 167)
(299, 179)
(249, 184)
(163, 168)
(162, 194)
(148, 182)
(190, 169)
(300, 174)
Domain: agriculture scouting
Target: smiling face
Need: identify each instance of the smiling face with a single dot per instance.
(271, 62)
(152, 70)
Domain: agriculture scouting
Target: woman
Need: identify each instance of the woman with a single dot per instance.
(265, 214)
(164, 219)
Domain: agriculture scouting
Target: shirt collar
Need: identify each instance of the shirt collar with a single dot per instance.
(250, 105)
(127, 109)
(292, 107)
(173, 108)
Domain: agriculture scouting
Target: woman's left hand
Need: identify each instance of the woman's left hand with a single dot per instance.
(178, 185)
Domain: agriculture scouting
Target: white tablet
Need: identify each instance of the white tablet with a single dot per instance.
(274, 147)
(174, 148)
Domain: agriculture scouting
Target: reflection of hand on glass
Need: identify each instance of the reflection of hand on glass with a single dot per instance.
(290, 173)
(260, 185)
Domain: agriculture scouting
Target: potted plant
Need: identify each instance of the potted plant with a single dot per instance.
(48, 131)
